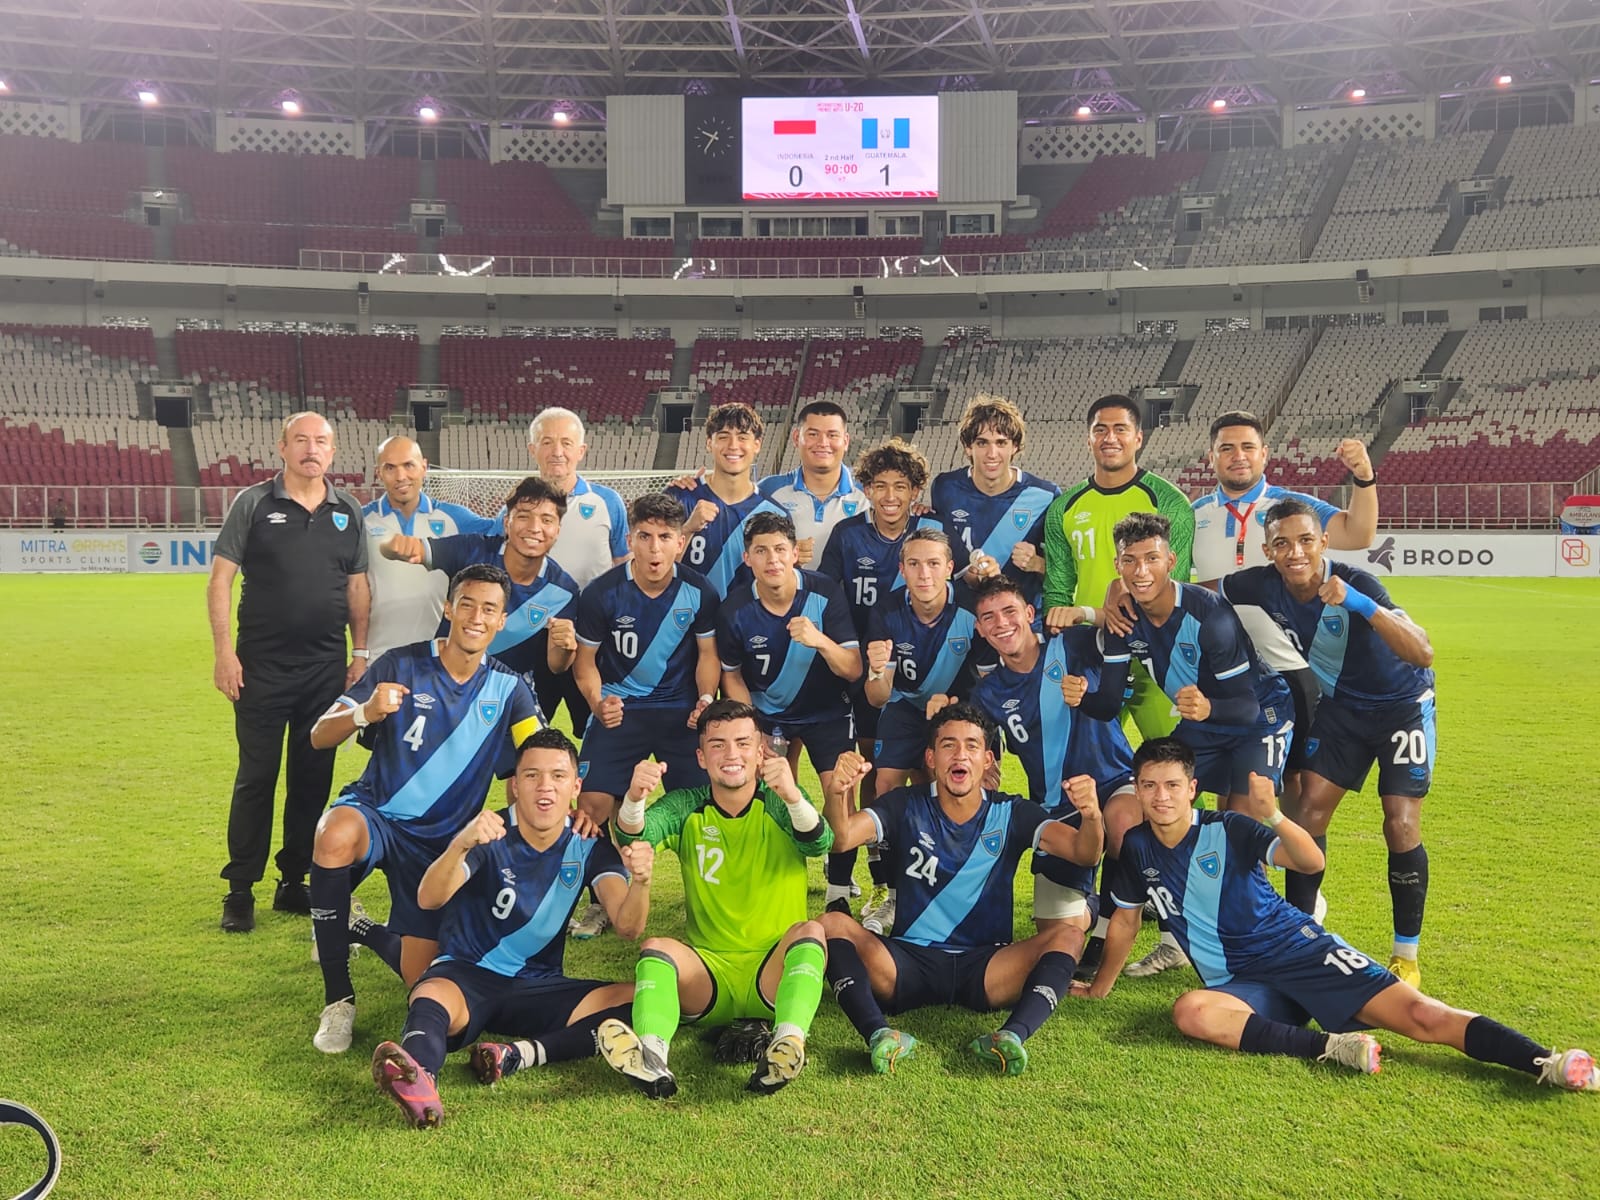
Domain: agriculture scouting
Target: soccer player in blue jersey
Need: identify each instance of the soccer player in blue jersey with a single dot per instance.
(821, 492)
(721, 502)
(538, 640)
(445, 714)
(506, 885)
(954, 846)
(646, 661)
(407, 605)
(920, 647)
(864, 556)
(1024, 695)
(1372, 665)
(993, 509)
(1268, 968)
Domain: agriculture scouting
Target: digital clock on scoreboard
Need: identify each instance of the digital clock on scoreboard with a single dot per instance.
(871, 148)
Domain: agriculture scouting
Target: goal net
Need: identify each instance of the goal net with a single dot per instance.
(485, 492)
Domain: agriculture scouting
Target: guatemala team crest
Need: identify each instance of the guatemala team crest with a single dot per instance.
(991, 843)
(1020, 519)
(682, 617)
(1210, 864)
(959, 645)
(1054, 673)
(488, 710)
(436, 525)
(1311, 746)
(341, 521)
(536, 616)
(1333, 623)
(586, 511)
(569, 874)
(583, 769)
(1190, 652)
(851, 507)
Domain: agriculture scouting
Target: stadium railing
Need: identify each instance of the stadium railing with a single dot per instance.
(1506, 506)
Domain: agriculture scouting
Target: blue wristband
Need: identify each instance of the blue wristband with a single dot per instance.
(1359, 603)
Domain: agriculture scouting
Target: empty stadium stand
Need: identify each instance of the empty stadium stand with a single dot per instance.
(511, 377)
(68, 371)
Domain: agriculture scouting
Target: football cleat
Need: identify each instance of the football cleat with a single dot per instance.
(493, 1061)
(336, 1029)
(626, 1053)
(880, 918)
(855, 889)
(889, 1047)
(590, 923)
(1358, 1051)
(1406, 970)
(841, 905)
(397, 1075)
(1574, 1070)
(783, 1060)
(744, 1041)
(1163, 958)
(238, 912)
(1002, 1049)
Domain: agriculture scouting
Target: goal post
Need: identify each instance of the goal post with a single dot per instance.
(485, 492)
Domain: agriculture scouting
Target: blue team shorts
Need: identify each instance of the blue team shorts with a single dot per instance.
(1324, 979)
(608, 756)
(1058, 870)
(1345, 741)
(404, 858)
(1224, 765)
(824, 741)
(518, 1006)
(926, 976)
(902, 737)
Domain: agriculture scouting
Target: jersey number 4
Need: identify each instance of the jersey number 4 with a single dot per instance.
(413, 736)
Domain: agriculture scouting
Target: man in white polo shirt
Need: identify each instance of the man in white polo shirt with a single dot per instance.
(407, 604)
(594, 533)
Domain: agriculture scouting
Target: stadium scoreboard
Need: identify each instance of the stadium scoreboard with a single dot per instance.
(870, 148)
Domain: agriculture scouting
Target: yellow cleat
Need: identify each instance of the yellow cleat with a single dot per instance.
(1406, 970)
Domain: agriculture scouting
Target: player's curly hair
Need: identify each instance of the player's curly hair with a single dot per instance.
(534, 490)
(998, 414)
(894, 455)
(768, 522)
(548, 739)
(657, 506)
(1164, 750)
(480, 573)
(1141, 527)
(969, 714)
(737, 416)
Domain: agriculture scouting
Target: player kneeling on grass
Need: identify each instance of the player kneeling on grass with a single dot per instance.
(507, 885)
(954, 848)
(743, 841)
(1267, 967)
(443, 716)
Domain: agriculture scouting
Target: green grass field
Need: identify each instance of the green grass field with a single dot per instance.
(176, 1061)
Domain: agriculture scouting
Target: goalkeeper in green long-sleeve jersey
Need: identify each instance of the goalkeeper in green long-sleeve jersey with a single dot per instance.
(743, 842)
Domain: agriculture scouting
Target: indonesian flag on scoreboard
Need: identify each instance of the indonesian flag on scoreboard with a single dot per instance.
(793, 127)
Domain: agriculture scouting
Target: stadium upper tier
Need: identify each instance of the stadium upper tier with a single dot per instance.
(1385, 198)
(511, 378)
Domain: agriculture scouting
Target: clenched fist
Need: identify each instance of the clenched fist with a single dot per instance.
(640, 859)
(1081, 793)
(385, 699)
(487, 827)
(1191, 703)
(646, 778)
(609, 711)
(563, 634)
(878, 656)
(1073, 689)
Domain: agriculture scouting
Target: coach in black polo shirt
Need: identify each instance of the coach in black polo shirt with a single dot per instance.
(303, 550)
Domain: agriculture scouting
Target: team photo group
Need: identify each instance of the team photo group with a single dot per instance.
(904, 632)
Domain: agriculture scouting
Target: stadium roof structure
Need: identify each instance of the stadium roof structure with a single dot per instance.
(511, 60)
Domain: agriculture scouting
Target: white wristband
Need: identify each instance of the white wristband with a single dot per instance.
(1274, 820)
(631, 814)
(360, 654)
(706, 697)
(803, 816)
(359, 715)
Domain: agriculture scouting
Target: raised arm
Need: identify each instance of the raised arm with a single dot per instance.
(850, 828)
(628, 904)
(1355, 527)
(1399, 632)
(443, 879)
(1085, 844)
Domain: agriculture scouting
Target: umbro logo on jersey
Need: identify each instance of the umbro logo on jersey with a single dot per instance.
(277, 518)
(905, 648)
(926, 839)
(586, 511)
(341, 521)
(711, 833)
(488, 711)
(1202, 523)
(1010, 704)
(624, 621)
(960, 514)
(1083, 518)
(569, 874)
(1210, 864)
(1334, 624)
(508, 875)
(376, 530)
(1151, 873)
(1138, 648)
(422, 700)
(757, 642)
(866, 564)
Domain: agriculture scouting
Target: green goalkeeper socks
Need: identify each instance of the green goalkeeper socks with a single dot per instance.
(800, 986)
(655, 997)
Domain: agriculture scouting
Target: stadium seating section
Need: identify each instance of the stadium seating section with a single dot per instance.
(511, 378)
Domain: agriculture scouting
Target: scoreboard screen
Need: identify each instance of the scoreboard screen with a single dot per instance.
(870, 148)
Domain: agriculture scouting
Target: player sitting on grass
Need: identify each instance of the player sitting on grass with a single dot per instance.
(954, 847)
(507, 884)
(743, 842)
(446, 714)
(1268, 968)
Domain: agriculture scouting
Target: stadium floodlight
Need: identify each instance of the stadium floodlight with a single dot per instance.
(291, 108)
(1503, 80)
(4, 86)
(561, 116)
(1358, 93)
(1219, 103)
(1085, 111)
(148, 97)
(428, 113)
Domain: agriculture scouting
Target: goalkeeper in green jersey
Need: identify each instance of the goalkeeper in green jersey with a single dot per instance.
(743, 844)
(1080, 553)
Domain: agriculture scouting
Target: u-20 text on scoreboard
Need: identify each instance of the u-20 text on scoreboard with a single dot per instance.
(869, 148)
